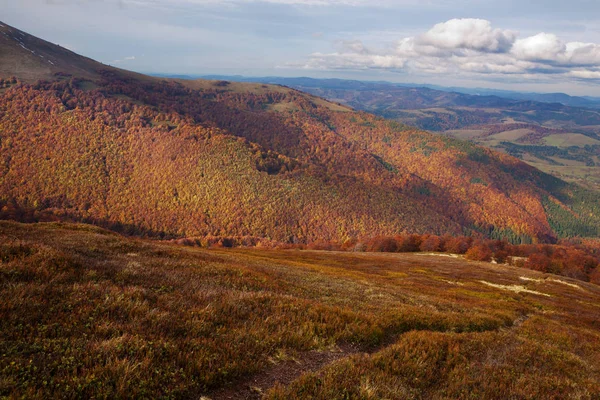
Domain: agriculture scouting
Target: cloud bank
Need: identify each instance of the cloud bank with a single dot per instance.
(470, 47)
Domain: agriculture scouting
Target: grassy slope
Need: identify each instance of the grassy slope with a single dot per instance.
(32, 59)
(88, 313)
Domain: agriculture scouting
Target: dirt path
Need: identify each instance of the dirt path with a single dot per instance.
(284, 373)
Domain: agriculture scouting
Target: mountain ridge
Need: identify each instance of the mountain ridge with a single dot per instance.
(561, 98)
(33, 59)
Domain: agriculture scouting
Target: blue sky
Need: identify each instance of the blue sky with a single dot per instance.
(537, 45)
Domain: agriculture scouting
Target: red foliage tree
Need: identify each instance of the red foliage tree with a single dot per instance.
(431, 243)
(539, 262)
(458, 245)
(479, 252)
(383, 244)
(408, 243)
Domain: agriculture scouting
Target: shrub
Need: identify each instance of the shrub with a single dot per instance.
(539, 262)
(458, 245)
(409, 243)
(383, 244)
(431, 243)
(501, 256)
(479, 252)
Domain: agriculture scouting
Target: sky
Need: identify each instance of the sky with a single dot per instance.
(525, 45)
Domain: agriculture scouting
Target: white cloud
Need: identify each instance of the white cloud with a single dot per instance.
(541, 47)
(355, 61)
(472, 34)
(545, 47)
(470, 47)
(583, 53)
(353, 46)
(584, 74)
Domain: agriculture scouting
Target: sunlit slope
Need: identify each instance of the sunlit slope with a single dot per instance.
(129, 167)
(88, 313)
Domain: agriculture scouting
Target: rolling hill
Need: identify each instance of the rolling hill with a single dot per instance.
(562, 98)
(171, 158)
(551, 132)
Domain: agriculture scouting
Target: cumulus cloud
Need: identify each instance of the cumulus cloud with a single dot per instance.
(473, 34)
(541, 47)
(583, 53)
(470, 47)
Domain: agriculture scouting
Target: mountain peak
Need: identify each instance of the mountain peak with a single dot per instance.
(31, 59)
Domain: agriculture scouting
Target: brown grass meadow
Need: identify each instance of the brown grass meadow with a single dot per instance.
(87, 313)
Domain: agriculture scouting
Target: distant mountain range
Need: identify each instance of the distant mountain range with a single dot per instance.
(562, 98)
(179, 158)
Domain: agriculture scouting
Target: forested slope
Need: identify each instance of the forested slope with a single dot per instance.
(181, 158)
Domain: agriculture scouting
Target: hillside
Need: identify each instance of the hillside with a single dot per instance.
(557, 138)
(87, 313)
(32, 59)
(175, 158)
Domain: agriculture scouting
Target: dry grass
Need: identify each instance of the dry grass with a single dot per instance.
(89, 314)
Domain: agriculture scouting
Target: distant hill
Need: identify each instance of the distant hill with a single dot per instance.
(392, 97)
(174, 157)
(562, 98)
